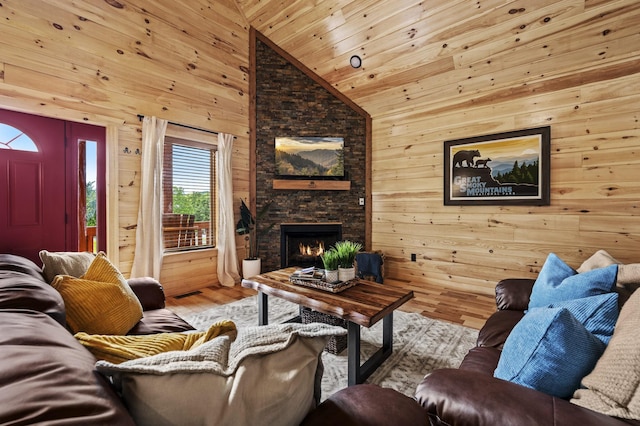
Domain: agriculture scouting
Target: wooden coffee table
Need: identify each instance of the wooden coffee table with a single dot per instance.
(361, 305)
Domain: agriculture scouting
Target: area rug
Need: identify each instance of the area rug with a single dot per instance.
(420, 344)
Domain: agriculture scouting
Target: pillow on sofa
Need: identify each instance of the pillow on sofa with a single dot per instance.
(558, 282)
(549, 350)
(117, 349)
(101, 301)
(65, 263)
(599, 259)
(598, 314)
(223, 382)
(613, 387)
(628, 274)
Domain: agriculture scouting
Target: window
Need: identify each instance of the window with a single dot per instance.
(87, 196)
(12, 138)
(189, 194)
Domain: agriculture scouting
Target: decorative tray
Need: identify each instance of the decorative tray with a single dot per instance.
(314, 278)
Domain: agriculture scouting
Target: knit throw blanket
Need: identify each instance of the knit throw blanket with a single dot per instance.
(223, 354)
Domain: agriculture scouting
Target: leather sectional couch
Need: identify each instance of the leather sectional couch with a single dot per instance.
(470, 395)
(46, 376)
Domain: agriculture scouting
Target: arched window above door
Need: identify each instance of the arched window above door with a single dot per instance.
(16, 139)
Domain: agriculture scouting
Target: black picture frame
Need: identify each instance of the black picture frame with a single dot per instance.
(518, 174)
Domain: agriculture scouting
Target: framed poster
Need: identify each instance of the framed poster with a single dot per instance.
(510, 168)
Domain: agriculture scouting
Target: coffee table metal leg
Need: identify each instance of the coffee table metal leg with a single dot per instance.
(263, 309)
(359, 373)
(353, 354)
(387, 334)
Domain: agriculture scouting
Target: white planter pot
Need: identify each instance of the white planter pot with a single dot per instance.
(331, 276)
(250, 267)
(346, 274)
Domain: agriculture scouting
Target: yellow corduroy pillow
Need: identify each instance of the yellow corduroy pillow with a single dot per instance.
(117, 349)
(99, 302)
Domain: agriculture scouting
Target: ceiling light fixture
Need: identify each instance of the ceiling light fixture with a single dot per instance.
(355, 61)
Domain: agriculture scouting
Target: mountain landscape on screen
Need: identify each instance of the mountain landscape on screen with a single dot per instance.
(309, 157)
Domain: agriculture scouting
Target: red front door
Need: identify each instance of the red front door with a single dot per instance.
(39, 193)
(32, 188)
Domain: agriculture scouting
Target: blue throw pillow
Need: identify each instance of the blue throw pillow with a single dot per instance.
(598, 314)
(549, 350)
(558, 282)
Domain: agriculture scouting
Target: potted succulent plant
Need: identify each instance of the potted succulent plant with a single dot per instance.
(248, 226)
(330, 261)
(346, 251)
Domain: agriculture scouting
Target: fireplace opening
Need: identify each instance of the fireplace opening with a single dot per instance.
(302, 244)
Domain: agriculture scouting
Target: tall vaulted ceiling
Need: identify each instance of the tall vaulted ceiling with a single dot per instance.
(438, 52)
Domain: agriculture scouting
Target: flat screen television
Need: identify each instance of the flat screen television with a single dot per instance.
(309, 157)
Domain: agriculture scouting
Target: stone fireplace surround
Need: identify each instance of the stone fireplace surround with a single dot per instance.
(309, 235)
(289, 102)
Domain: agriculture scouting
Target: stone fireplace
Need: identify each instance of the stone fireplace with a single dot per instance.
(301, 244)
(289, 102)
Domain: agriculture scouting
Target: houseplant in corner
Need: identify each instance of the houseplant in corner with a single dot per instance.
(248, 226)
(330, 262)
(346, 251)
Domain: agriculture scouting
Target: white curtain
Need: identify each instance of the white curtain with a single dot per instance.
(226, 244)
(147, 259)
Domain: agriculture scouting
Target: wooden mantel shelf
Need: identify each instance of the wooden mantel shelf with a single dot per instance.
(330, 185)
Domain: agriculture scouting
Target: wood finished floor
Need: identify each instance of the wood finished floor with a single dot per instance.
(471, 310)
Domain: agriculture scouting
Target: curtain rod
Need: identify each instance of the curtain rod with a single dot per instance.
(186, 126)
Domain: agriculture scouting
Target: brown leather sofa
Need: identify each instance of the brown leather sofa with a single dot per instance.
(367, 405)
(46, 376)
(470, 395)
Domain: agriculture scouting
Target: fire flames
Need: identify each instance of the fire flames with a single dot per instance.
(308, 250)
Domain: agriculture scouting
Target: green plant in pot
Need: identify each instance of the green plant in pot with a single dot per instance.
(346, 251)
(330, 261)
(248, 226)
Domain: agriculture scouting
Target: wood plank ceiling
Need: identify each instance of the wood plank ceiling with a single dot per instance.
(418, 55)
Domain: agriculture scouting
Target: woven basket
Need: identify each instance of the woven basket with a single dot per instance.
(335, 344)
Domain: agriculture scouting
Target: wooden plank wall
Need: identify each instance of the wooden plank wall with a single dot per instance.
(579, 75)
(104, 62)
(432, 71)
(447, 69)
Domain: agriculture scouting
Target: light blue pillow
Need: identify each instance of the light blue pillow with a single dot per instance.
(559, 282)
(549, 350)
(598, 314)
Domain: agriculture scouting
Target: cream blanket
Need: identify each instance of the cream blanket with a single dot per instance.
(613, 387)
(223, 354)
(267, 375)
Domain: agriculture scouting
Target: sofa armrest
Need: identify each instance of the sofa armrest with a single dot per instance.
(460, 397)
(497, 328)
(514, 293)
(149, 291)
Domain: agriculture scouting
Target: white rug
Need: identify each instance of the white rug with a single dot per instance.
(420, 344)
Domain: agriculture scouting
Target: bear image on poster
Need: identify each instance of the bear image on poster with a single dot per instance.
(482, 163)
(465, 155)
